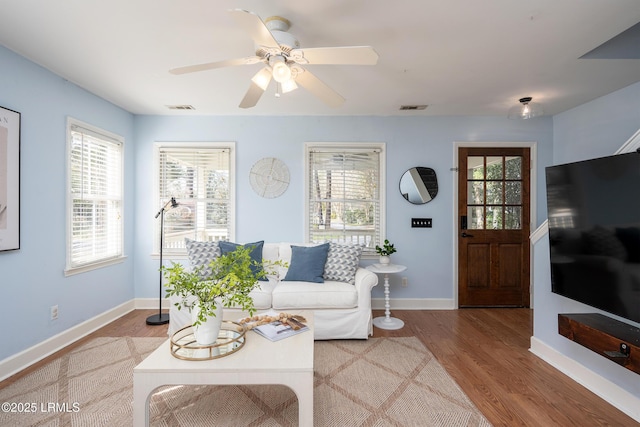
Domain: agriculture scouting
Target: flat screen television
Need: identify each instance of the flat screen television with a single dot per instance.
(594, 232)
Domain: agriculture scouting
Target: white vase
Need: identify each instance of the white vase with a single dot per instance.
(207, 332)
(385, 260)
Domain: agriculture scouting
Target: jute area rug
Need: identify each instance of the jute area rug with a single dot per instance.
(377, 382)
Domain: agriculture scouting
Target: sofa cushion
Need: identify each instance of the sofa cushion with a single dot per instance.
(307, 263)
(270, 254)
(342, 262)
(261, 294)
(200, 255)
(256, 253)
(310, 295)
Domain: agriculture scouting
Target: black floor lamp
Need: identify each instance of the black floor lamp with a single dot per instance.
(161, 318)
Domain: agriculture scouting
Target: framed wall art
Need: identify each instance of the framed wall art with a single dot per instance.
(269, 177)
(9, 180)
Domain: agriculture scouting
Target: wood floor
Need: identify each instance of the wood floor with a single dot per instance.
(484, 350)
(487, 352)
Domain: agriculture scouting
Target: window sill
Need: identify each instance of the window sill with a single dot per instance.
(90, 267)
(169, 256)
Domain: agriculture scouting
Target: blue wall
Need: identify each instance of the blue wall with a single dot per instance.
(410, 141)
(596, 129)
(32, 279)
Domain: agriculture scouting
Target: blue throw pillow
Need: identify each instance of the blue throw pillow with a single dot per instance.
(256, 254)
(307, 263)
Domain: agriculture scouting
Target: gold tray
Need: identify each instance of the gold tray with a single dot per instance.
(230, 339)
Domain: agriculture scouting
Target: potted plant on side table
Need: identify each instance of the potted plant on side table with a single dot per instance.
(234, 275)
(385, 251)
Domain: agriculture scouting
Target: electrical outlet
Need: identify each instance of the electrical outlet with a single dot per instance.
(405, 282)
(54, 312)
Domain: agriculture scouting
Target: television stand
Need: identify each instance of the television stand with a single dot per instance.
(617, 341)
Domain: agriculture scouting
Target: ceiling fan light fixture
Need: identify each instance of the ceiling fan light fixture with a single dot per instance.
(281, 71)
(281, 52)
(288, 86)
(262, 78)
(526, 109)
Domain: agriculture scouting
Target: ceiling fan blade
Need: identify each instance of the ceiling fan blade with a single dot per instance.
(259, 83)
(256, 28)
(319, 88)
(211, 65)
(346, 55)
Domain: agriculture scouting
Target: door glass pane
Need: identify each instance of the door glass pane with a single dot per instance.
(513, 190)
(513, 217)
(494, 217)
(475, 218)
(494, 167)
(475, 167)
(513, 167)
(494, 192)
(475, 192)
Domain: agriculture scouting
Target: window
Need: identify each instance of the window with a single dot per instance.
(344, 193)
(200, 177)
(494, 200)
(94, 201)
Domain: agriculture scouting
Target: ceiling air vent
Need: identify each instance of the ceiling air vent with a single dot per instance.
(412, 107)
(180, 107)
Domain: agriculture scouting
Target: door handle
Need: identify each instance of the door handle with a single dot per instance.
(466, 235)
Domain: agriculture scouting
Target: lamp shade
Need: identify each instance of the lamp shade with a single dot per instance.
(525, 110)
(262, 78)
(288, 86)
(281, 71)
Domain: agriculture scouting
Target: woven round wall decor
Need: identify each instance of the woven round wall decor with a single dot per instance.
(269, 177)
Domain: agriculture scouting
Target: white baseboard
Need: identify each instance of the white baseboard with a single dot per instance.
(610, 392)
(150, 303)
(14, 364)
(415, 304)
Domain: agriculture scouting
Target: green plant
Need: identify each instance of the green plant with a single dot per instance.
(234, 275)
(386, 249)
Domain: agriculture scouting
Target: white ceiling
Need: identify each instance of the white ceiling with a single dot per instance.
(461, 57)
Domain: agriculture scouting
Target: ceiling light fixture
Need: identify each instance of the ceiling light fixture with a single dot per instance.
(285, 87)
(288, 86)
(262, 78)
(280, 69)
(526, 109)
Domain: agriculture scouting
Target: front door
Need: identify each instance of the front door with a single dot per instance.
(493, 227)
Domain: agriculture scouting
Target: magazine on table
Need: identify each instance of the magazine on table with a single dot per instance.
(278, 330)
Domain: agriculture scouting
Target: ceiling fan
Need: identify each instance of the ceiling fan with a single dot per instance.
(281, 53)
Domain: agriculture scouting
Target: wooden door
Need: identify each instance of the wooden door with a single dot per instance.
(493, 227)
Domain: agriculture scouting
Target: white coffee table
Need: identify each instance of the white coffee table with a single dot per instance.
(387, 322)
(288, 362)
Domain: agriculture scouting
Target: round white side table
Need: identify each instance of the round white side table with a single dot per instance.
(387, 322)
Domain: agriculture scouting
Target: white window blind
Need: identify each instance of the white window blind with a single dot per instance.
(95, 197)
(344, 196)
(199, 178)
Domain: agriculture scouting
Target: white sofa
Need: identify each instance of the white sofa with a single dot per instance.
(341, 310)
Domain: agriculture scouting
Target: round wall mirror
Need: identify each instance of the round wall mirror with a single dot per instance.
(419, 185)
